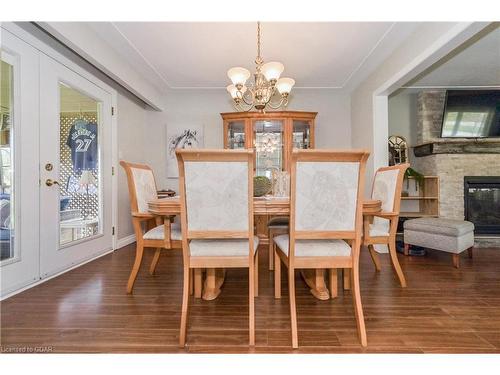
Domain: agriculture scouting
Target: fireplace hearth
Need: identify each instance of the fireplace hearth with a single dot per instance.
(482, 203)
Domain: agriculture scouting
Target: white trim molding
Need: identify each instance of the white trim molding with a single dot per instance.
(125, 241)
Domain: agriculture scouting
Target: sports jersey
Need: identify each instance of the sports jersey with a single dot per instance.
(82, 140)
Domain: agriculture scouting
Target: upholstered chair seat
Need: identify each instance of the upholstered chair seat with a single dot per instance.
(158, 233)
(314, 248)
(221, 248)
(279, 222)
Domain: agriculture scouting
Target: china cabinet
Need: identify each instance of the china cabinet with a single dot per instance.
(273, 134)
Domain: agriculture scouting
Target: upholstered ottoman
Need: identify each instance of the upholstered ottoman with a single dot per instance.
(452, 236)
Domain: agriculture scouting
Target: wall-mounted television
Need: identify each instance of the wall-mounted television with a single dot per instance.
(471, 114)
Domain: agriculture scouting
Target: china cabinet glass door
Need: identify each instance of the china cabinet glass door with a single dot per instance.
(236, 134)
(301, 134)
(269, 146)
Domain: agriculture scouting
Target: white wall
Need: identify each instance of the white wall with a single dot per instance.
(131, 122)
(187, 106)
(403, 118)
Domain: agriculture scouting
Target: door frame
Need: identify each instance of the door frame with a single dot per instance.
(46, 49)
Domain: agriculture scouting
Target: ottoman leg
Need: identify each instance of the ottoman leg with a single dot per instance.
(456, 260)
(406, 250)
(469, 251)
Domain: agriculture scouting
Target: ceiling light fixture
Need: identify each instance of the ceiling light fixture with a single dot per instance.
(267, 90)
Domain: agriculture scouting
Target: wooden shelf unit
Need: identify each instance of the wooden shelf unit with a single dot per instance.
(426, 202)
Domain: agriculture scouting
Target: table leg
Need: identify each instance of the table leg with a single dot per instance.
(197, 282)
(315, 279)
(213, 283)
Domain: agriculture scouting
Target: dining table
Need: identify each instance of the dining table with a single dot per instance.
(266, 206)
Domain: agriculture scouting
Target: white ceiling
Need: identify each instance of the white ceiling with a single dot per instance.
(476, 63)
(194, 55)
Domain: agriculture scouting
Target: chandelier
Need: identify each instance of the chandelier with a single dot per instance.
(267, 89)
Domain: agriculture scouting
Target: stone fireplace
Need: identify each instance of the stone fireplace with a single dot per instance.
(453, 160)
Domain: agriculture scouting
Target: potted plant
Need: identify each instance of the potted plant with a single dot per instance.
(417, 176)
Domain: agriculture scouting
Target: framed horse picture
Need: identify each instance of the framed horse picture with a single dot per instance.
(190, 136)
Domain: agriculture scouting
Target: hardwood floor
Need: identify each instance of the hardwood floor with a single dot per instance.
(443, 310)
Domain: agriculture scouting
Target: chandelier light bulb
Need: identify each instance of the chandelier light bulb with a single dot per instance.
(238, 75)
(233, 90)
(272, 70)
(284, 85)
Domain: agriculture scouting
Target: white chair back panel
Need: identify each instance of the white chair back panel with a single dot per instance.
(217, 196)
(145, 187)
(384, 189)
(326, 196)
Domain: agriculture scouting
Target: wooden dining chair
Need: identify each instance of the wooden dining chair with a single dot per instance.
(216, 194)
(326, 204)
(150, 231)
(387, 185)
(276, 225)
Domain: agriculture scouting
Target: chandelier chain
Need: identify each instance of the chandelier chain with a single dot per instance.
(258, 39)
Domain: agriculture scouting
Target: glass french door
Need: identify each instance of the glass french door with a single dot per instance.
(19, 210)
(75, 168)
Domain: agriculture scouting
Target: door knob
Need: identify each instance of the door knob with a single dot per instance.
(50, 182)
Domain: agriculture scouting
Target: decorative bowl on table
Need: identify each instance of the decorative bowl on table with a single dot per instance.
(261, 186)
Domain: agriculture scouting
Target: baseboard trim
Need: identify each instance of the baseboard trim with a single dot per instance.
(122, 242)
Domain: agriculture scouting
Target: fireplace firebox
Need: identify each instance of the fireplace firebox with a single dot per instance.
(482, 203)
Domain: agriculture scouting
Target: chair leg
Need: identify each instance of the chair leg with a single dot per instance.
(374, 255)
(395, 263)
(358, 308)
(191, 281)
(293, 309)
(271, 250)
(469, 251)
(256, 267)
(135, 268)
(277, 275)
(184, 313)
(197, 283)
(456, 260)
(347, 278)
(251, 304)
(154, 263)
(334, 292)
